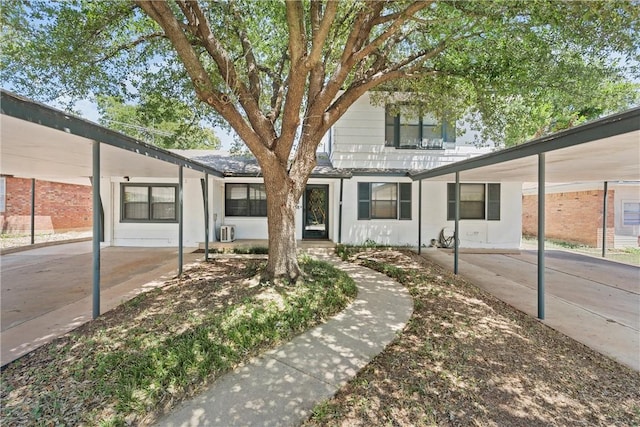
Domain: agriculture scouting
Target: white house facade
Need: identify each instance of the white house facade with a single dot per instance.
(361, 191)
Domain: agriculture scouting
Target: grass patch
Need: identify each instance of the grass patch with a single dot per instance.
(136, 362)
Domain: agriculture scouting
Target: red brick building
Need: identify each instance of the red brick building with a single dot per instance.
(59, 207)
(574, 213)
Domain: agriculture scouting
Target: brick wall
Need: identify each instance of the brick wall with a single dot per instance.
(58, 207)
(573, 217)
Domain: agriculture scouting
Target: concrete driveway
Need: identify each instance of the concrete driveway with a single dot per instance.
(46, 292)
(592, 300)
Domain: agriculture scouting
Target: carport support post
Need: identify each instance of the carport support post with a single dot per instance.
(340, 211)
(180, 220)
(206, 217)
(456, 229)
(604, 220)
(419, 217)
(95, 208)
(541, 236)
(33, 210)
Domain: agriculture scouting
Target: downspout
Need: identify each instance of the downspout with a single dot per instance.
(604, 220)
(541, 235)
(180, 220)
(456, 229)
(340, 212)
(95, 210)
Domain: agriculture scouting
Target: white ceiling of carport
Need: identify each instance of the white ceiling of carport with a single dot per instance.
(31, 150)
(616, 158)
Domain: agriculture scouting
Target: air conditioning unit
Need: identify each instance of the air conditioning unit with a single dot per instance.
(227, 233)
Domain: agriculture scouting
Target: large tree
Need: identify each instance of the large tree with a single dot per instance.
(280, 73)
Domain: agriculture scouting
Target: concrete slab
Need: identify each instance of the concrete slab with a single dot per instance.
(594, 301)
(45, 292)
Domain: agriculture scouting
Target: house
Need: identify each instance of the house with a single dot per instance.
(574, 212)
(360, 191)
(58, 206)
(374, 182)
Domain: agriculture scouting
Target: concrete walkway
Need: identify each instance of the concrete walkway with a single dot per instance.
(281, 387)
(592, 300)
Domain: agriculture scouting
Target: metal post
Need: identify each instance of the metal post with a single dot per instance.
(604, 220)
(419, 217)
(206, 216)
(95, 208)
(180, 220)
(456, 228)
(541, 235)
(340, 212)
(33, 211)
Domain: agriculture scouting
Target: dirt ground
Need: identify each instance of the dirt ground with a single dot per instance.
(466, 358)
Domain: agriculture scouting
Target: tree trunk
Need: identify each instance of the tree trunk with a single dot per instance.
(281, 211)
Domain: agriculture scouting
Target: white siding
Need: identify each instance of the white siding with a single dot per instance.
(502, 234)
(158, 234)
(358, 142)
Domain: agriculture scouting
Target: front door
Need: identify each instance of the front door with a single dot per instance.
(315, 215)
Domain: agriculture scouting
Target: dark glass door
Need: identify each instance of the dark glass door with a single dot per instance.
(315, 212)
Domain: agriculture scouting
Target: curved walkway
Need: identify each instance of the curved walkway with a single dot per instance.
(282, 386)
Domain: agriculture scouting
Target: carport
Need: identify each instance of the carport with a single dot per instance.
(600, 151)
(45, 143)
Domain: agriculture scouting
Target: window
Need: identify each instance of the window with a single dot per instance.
(631, 213)
(477, 201)
(245, 200)
(379, 200)
(3, 193)
(149, 202)
(404, 131)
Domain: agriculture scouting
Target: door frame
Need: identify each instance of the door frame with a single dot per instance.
(325, 187)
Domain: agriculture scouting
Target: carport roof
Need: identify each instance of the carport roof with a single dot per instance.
(606, 149)
(38, 141)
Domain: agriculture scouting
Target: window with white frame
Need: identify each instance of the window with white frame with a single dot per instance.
(631, 213)
(477, 201)
(245, 200)
(402, 130)
(149, 202)
(384, 200)
(3, 193)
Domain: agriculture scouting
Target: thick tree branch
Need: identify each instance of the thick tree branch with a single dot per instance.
(297, 78)
(247, 49)
(204, 87)
(261, 124)
(321, 27)
(392, 29)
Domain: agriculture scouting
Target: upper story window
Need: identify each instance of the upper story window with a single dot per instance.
(245, 200)
(384, 200)
(405, 131)
(149, 203)
(477, 201)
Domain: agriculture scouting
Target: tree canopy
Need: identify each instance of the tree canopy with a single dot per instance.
(175, 127)
(281, 73)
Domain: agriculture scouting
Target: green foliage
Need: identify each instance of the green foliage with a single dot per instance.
(522, 68)
(128, 375)
(153, 122)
